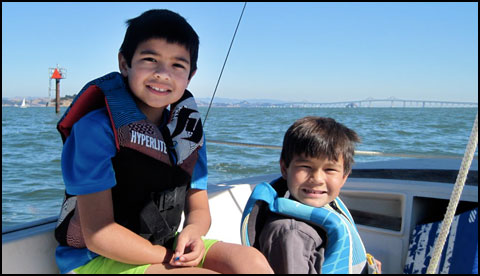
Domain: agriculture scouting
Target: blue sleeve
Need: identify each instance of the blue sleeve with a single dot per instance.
(200, 172)
(86, 156)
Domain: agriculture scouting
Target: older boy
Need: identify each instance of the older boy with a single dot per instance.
(290, 219)
(131, 166)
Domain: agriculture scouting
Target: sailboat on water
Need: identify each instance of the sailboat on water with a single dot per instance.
(24, 105)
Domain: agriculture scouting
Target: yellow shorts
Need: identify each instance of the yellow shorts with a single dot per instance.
(102, 265)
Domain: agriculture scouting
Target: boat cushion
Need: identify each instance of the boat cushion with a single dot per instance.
(460, 253)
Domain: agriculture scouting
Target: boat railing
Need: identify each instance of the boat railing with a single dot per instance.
(357, 152)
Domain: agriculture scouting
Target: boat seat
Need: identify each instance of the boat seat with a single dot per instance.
(460, 253)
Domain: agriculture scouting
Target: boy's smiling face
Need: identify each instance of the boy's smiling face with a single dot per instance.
(159, 73)
(314, 181)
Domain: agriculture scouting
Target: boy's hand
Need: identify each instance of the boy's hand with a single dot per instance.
(190, 248)
(379, 266)
(374, 265)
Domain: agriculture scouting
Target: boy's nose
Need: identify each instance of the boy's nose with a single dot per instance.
(318, 177)
(161, 72)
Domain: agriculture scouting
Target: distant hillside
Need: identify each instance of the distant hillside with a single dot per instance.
(217, 102)
(37, 101)
(226, 102)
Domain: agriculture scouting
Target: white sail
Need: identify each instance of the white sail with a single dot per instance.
(23, 104)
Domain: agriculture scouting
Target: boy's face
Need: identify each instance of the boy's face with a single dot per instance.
(159, 72)
(314, 181)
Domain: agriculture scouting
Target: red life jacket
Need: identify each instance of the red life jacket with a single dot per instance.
(153, 165)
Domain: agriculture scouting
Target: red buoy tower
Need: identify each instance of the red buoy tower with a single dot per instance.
(57, 74)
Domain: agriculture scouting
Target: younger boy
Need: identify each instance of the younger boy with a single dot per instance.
(131, 166)
(316, 159)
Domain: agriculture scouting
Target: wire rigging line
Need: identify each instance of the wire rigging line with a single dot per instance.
(223, 67)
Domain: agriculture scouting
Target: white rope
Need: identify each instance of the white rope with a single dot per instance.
(454, 198)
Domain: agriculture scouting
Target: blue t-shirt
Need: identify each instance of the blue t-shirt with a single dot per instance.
(87, 168)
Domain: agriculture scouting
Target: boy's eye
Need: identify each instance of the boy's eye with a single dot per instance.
(149, 59)
(178, 65)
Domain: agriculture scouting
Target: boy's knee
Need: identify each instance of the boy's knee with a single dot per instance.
(257, 259)
(237, 259)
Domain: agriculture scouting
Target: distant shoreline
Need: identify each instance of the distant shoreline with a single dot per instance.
(36, 102)
(265, 103)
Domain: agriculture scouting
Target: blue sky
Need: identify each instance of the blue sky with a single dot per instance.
(316, 52)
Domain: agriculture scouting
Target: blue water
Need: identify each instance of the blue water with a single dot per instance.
(32, 184)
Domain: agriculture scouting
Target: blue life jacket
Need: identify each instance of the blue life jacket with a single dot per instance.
(153, 165)
(344, 252)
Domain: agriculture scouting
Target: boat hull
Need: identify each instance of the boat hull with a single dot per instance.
(386, 212)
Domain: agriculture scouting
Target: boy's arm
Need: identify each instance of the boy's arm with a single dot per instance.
(190, 248)
(105, 237)
(289, 249)
(197, 211)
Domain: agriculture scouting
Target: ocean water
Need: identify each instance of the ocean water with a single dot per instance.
(32, 184)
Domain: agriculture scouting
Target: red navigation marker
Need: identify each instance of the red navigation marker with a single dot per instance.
(56, 75)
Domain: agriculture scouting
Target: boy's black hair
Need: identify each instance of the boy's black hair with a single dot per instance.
(160, 24)
(319, 137)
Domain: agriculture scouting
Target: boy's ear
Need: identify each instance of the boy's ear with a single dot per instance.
(122, 65)
(193, 74)
(345, 177)
(283, 169)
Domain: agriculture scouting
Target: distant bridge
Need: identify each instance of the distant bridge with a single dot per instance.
(388, 102)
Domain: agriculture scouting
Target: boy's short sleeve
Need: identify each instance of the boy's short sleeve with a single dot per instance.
(86, 156)
(200, 172)
(87, 153)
